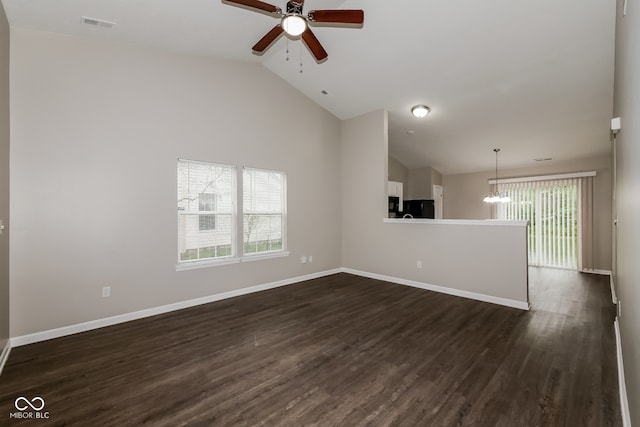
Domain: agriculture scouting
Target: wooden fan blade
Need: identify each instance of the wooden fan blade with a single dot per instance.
(255, 4)
(313, 44)
(347, 16)
(268, 39)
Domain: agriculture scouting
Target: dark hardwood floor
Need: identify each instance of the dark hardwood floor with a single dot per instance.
(338, 351)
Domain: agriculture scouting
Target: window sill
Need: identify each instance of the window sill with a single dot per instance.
(258, 257)
(226, 261)
(204, 264)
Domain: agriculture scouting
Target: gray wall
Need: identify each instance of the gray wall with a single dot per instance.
(463, 196)
(4, 178)
(93, 184)
(627, 274)
(398, 172)
(453, 256)
(421, 182)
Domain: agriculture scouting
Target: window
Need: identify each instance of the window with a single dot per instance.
(207, 203)
(264, 211)
(206, 211)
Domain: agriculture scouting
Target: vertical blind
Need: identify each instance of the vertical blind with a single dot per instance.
(264, 208)
(553, 211)
(206, 207)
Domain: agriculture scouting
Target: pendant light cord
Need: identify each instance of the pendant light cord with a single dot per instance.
(496, 150)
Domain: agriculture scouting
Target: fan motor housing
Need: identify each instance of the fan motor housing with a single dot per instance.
(294, 8)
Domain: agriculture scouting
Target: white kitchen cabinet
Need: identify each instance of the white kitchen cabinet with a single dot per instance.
(396, 190)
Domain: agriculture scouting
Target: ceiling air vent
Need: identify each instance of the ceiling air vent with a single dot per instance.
(97, 22)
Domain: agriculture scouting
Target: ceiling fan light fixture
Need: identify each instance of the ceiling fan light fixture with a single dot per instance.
(420, 111)
(294, 25)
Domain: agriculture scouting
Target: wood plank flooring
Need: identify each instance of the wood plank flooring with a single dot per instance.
(338, 351)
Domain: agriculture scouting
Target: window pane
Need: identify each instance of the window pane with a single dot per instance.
(207, 222)
(206, 202)
(264, 211)
(206, 198)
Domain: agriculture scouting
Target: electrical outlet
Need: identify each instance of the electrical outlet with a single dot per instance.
(310, 258)
(106, 291)
(419, 264)
(303, 259)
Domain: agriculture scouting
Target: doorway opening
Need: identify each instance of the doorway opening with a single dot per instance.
(438, 200)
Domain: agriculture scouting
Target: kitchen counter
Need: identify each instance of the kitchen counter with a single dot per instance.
(516, 223)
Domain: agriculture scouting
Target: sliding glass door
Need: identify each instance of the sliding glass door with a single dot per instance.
(552, 209)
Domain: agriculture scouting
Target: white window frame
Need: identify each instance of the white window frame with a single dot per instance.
(237, 223)
(253, 256)
(207, 262)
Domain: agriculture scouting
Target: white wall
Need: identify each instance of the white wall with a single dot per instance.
(97, 129)
(460, 257)
(627, 277)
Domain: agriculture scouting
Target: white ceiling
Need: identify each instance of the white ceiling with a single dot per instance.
(532, 77)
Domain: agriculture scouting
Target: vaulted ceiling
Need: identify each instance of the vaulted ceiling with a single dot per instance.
(534, 78)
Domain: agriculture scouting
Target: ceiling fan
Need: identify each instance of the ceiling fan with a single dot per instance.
(295, 24)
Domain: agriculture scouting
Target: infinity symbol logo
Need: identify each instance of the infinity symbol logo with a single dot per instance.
(37, 403)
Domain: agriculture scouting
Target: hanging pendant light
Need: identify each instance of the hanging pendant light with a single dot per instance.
(497, 197)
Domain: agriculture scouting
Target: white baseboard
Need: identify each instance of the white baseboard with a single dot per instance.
(522, 305)
(614, 296)
(114, 320)
(127, 317)
(624, 401)
(4, 356)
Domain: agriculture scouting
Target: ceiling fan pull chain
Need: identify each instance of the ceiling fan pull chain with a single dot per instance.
(300, 59)
(287, 48)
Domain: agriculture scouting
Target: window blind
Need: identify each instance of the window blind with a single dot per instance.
(552, 209)
(264, 211)
(206, 211)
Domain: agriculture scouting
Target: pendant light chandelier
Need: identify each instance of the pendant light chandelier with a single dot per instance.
(497, 197)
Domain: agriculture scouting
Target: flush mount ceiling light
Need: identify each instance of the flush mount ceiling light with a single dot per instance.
(496, 197)
(294, 25)
(420, 111)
